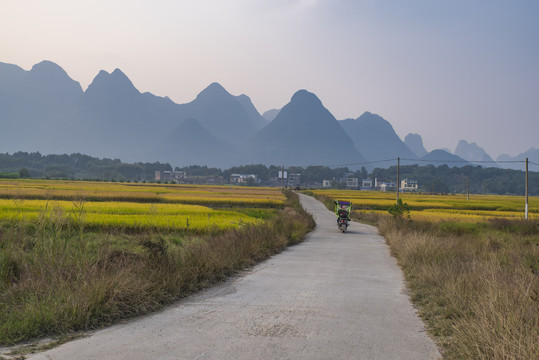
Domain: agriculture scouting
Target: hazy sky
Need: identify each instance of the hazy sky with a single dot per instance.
(446, 69)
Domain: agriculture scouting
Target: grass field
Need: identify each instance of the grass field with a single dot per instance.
(472, 268)
(81, 255)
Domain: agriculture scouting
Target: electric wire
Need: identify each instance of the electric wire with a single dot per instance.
(437, 161)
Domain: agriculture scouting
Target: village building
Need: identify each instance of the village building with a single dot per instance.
(409, 185)
(294, 180)
(352, 183)
(366, 184)
(243, 178)
(381, 185)
(166, 176)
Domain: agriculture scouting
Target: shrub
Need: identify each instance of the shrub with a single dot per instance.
(399, 209)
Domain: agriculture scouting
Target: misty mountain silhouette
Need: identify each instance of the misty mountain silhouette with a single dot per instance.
(441, 157)
(115, 118)
(532, 154)
(258, 120)
(472, 152)
(303, 133)
(270, 114)
(415, 143)
(37, 107)
(192, 144)
(45, 110)
(221, 113)
(50, 78)
(375, 138)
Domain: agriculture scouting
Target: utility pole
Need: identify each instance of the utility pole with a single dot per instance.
(398, 178)
(282, 178)
(526, 208)
(467, 190)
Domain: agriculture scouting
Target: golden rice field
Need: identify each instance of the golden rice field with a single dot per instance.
(218, 195)
(440, 207)
(136, 206)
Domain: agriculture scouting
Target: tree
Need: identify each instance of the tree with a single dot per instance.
(250, 181)
(23, 173)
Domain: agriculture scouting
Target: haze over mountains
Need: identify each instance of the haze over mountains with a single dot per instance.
(304, 132)
(415, 143)
(45, 110)
(471, 152)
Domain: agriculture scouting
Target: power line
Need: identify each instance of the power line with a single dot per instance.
(471, 162)
(438, 161)
(364, 163)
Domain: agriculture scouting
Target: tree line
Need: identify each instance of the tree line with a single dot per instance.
(432, 179)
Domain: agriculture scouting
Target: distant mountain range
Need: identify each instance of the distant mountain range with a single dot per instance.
(45, 110)
(532, 154)
(303, 132)
(415, 143)
(270, 114)
(375, 138)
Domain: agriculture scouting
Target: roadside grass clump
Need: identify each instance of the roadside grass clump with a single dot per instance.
(58, 276)
(475, 285)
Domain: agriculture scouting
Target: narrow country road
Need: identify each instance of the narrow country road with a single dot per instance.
(335, 296)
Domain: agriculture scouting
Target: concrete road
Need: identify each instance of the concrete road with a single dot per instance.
(335, 296)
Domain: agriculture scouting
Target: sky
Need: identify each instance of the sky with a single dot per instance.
(445, 69)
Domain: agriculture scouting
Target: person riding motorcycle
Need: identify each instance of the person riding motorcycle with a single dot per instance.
(342, 210)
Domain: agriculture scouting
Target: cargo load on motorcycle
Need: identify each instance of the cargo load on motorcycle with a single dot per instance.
(342, 210)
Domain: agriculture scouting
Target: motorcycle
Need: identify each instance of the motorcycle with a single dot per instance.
(342, 210)
(342, 222)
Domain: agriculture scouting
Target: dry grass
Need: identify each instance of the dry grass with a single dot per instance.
(476, 285)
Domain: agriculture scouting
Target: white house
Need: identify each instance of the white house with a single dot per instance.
(387, 186)
(409, 185)
(352, 183)
(242, 178)
(366, 184)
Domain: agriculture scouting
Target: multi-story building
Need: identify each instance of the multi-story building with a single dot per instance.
(409, 185)
(170, 176)
(352, 183)
(294, 180)
(366, 184)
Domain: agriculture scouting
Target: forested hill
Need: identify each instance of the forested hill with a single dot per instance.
(441, 179)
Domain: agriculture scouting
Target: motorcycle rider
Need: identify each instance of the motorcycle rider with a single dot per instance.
(342, 208)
